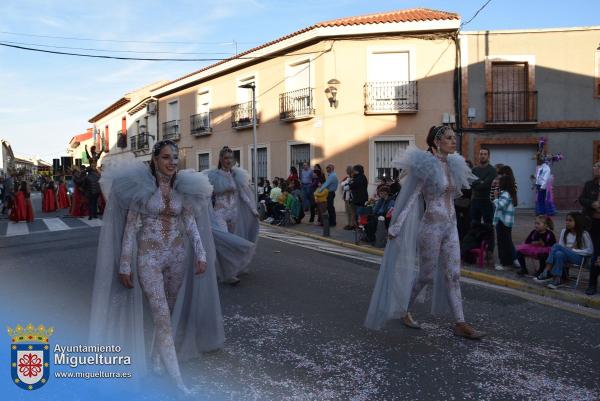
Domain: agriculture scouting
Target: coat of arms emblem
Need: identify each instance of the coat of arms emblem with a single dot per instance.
(30, 355)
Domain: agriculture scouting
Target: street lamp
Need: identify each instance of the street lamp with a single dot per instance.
(252, 86)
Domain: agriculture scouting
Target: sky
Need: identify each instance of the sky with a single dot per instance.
(46, 99)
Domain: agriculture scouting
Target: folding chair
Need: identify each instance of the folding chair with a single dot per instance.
(480, 253)
(584, 263)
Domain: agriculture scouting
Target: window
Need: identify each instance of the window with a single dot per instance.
(262, 160)
(203, 161)
(203, 102)
(299, 154)
(244, 95)
(298, 76)
(237, 157)
(511, 97)
(173, 111)
(385, 151)
(389, 86)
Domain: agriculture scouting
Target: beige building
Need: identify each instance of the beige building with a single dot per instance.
(349, 91)
(128, 127)
(520, 85)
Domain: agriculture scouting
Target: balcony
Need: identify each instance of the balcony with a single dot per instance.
(170, 130)
(511, 107)
(296, 105)
(393, 97)
(200, 124)
(241, 116)
(121, 139)
(139, 143)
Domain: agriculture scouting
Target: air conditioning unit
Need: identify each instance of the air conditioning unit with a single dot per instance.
(151, 108)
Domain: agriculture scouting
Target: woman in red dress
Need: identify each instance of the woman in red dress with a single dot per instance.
(63, 196)
(49, 204)
(22, 209)
(79, 204)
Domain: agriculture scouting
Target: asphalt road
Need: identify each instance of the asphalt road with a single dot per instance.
(294, 331)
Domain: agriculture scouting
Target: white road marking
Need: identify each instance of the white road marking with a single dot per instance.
(55, 224)
(13, 229)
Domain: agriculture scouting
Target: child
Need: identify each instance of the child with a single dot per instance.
(574, 244)
(321, 200)
(504, 218)
(537, 245)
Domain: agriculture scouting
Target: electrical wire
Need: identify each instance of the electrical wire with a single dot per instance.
(476, 13)
(120, 41)
(113, 51)
(149, 58)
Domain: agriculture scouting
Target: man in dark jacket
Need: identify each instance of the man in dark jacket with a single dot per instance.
(590, 200)
(92, 191)
(481, 205)
(359, 187)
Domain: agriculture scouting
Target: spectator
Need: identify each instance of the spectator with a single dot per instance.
(590, 200)
(504, 218)
(92, 191)
(267, 189)
(321, 194)
(293, 176)
(496, 182)
(318, 178)
(537, 244)
(331, 184)
(275, 191)
(9, 192)
(481, 206)
(347, 197)
(306, 180)
(358, 187)
(380, 209)
(543, 178)
(574, 244)
(395, 188)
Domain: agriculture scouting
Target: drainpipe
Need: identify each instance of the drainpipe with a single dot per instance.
(458, 93)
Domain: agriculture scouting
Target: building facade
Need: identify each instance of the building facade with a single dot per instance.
(521, 85)
(349, 91)
(127, 128)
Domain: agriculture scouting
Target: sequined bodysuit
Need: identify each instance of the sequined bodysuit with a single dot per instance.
(226, 202)
(159, 226)
(437, 241)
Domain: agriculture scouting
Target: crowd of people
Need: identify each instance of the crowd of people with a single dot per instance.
(84, 198)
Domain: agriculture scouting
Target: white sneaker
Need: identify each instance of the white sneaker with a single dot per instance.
(516, 264)
(499, 267)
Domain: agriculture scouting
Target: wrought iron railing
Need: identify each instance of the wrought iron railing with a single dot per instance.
(200, 124)
(139, 142)
(296, 104)
(391, 97)
(241, 115)
(509, 107)
(170, 130)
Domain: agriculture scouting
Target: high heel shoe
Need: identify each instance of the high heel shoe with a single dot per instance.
(408, 321)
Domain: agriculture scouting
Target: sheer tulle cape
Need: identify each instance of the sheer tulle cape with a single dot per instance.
(400, 265)
(117, 314)
(235, 250)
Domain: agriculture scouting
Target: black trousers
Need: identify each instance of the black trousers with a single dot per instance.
(331, 209)
(483, 209)
(506, 249)
(595, 270)
(93, 199)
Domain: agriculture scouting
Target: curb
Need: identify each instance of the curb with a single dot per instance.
(579, 299)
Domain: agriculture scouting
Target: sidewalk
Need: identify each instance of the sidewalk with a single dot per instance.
(524, 220)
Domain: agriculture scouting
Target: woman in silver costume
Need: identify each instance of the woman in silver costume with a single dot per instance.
(165, 251)
(423, 246)
(235, 218)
